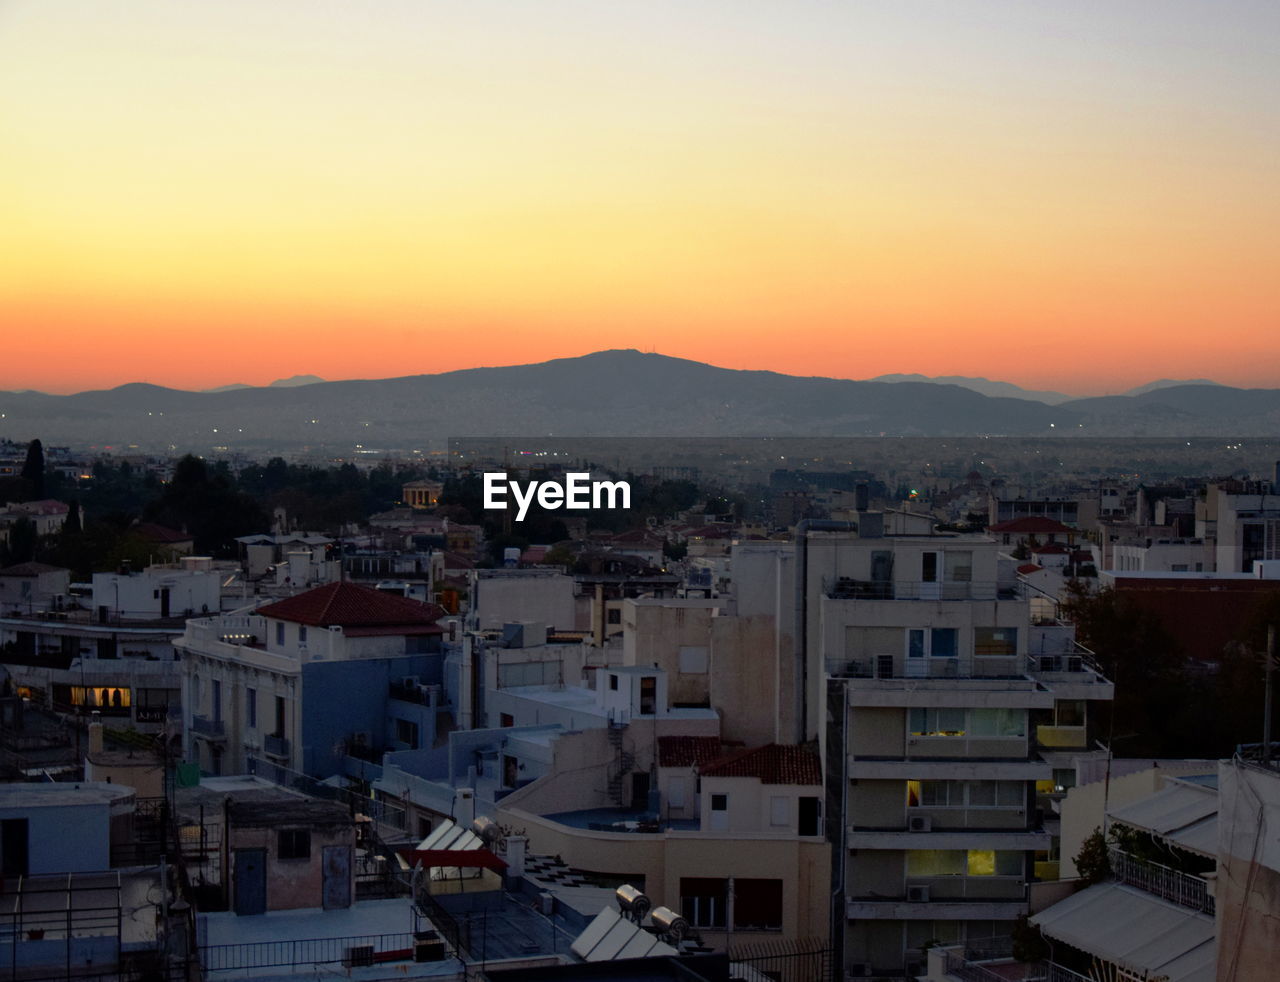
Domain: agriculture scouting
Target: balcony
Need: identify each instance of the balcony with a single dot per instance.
(275, 746)
(1164, 882)
(965, 838)
(848, 588)
(210, 729)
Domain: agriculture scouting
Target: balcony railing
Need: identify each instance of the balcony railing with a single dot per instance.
(1167, 883)
(848, 588)
(276, 746)
(206, 727)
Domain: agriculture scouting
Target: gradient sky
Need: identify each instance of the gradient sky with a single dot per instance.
(1080, 196)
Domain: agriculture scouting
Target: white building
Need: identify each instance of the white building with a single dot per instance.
(942, 701)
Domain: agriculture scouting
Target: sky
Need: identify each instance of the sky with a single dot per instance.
(1078, 196)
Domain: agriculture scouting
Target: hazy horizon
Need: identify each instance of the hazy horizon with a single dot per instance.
(290, 379)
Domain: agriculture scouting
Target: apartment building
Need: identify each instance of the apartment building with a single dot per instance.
(305, 679)
(941, 696)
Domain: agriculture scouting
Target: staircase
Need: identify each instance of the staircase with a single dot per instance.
(622, 764)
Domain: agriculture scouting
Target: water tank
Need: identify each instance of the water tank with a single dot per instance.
(669, 923)
(632, 902)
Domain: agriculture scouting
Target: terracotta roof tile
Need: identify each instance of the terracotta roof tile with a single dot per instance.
(772, 764)
(687, 751)
(352, 606)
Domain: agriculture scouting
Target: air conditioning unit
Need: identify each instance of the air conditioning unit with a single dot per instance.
(884, 666)
(918, 894)
(360, 956)
(409, 682)
(858, 970)
(919, 823)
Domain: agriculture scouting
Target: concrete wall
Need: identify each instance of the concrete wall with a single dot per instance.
(65, 838)
(499, 598)
(662, 860)
(1248, 885)
(294, 883)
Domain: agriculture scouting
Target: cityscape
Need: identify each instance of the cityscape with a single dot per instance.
(720, 492)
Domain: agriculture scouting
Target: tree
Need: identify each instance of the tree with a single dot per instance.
(33, 470)
(73, 524)
(1092, 861)
(21, 546)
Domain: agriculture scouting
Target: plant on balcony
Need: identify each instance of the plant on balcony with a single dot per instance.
(1092, 862)
(1029, 944)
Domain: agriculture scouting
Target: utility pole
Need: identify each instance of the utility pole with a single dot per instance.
(1268, 663)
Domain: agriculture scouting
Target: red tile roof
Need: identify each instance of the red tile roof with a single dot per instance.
(160, 533)
(772, 764)
(1030, 524)
(350, 606)
(1027, 568)
(687, 751)
(1054, 548)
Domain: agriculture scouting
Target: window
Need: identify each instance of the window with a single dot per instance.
(1068, 712)
(302, 634)
(505, 720)
(613, 616)
(959, 566)
(929, 567)
(280, 633)
(915, 643)
(294, 844)
(943, 642)
(648, 695)
(217, 700)
(936, 722)
(961, 794)
(959, 862)
(997, 722)
(703, 901)
(719, 813)
(407, 733)
(779, 813)
(251, 708)
(693, 661)
(995, 641)
(987, 862)
(279, 731)
(757, 904)
(613, 683)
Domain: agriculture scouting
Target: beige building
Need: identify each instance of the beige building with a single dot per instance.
(943, 701)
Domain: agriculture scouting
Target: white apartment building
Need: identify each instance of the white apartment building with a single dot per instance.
(939, 692)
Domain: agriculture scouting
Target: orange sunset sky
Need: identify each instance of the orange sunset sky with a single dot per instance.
(1079, 196)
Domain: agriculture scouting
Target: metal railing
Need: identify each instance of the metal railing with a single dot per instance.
(1170, 884)
(308, 951)
(208, 727)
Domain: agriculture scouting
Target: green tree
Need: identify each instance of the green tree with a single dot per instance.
(1092, 862)
(33, 470)
(21, 545)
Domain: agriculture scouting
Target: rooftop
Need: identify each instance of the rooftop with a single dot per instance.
(348, 605)
(688, 751)
(773, 764)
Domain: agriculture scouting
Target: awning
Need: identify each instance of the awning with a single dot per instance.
(1135, 931)
(1184, 814)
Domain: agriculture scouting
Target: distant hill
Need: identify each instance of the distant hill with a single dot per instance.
(295, 380)
(987, 387)
(1168, 383)
(608, 393)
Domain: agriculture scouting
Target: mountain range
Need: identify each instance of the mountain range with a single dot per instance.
(612, 393)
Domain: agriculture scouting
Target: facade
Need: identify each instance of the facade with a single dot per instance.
(302, 680)
(947, 710)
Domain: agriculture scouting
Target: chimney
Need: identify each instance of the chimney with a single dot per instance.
(515, 855)
(464, 807)
(95, 738)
